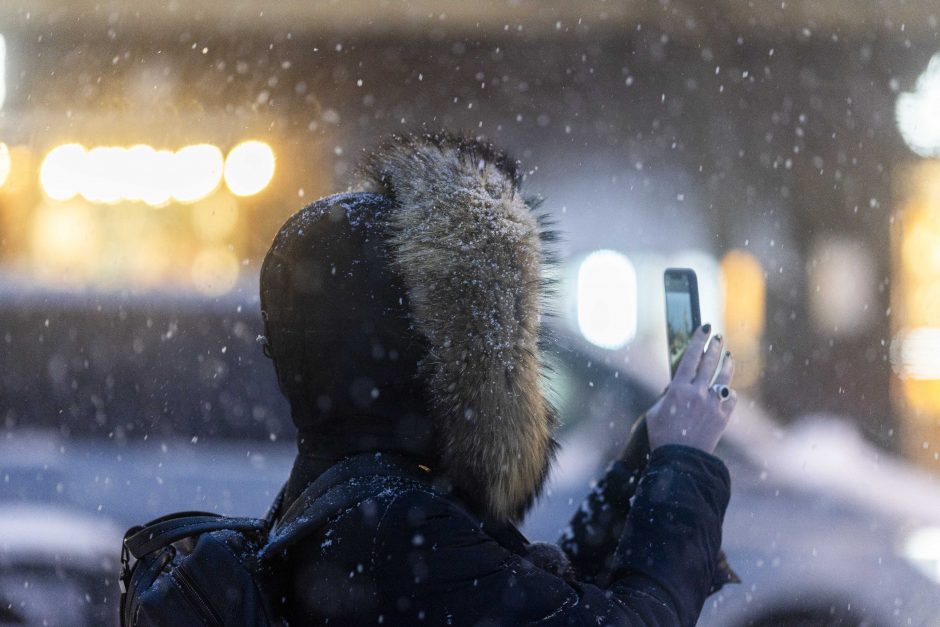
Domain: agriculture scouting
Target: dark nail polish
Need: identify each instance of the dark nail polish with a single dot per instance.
(707, 328)
(718, 337)
(727, 353)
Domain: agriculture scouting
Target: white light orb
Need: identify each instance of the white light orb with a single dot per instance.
(62, 170)
(101, 181)
(198, 172)
(249, 167)
(157, 190)
(918, 112)
(607, 299)
(6, 163)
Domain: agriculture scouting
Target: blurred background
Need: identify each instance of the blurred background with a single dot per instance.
(788, 151)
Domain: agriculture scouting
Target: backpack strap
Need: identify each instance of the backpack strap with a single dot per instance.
(333, 492)
(164, 531)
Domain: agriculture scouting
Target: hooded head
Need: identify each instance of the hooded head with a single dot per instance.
(407, 317)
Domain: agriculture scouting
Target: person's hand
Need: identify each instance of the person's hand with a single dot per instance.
(690, 411)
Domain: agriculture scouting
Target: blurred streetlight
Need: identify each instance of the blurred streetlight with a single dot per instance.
(249, 168)
(111, 174)
(198, 171)
(60, 172)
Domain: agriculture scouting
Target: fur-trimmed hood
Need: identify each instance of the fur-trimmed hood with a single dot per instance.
(471, 254)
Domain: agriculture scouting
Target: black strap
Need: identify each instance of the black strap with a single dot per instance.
(169, 529)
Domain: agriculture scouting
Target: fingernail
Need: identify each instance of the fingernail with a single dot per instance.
(707, 328)
(727, 353)
(718, 337)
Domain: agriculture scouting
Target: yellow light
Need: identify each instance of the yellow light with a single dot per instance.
(215, 218)
(249, 168)
(157, 190)
(745, 297)
(215, 271)
(111, 174)
(198, 172)
(101, 182)
(61, 171)
(140, 174)
(21, 168)
(5, 163)
(745, 294)
(65, 241)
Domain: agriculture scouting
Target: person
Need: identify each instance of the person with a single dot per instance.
(405, 325)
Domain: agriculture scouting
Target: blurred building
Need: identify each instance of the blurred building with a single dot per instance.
(757, 141)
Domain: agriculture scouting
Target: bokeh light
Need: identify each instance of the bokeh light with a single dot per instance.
(158, 192)
(606, 301)
(104, 172)
(198, 171)
(65, 241)
(215, 217)
(249, 168)
(60, 172)
(6, 163)
(215, 270)
(745, 304)
(112, 174)
(917, 112)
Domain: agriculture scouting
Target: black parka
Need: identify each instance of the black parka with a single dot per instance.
(409, 554)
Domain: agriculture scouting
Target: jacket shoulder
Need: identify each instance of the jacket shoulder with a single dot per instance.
(388, 504)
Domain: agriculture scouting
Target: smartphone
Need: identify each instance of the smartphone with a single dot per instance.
(683, 316)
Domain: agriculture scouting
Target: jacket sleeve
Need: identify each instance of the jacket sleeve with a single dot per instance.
(450, 572)
(596, 528)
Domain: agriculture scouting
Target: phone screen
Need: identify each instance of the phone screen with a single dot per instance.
(682, 312)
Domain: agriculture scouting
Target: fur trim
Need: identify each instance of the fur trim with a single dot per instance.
(472, 254)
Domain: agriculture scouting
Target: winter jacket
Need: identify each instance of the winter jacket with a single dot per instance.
(405, 317)
(412, 554)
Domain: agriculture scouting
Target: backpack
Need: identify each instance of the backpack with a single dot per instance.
(200, 569)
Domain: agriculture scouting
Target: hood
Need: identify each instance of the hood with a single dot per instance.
(466, 255)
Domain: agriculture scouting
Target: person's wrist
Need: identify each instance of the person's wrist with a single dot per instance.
(706, 445)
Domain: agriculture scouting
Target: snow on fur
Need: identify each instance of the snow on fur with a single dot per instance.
(471, 252)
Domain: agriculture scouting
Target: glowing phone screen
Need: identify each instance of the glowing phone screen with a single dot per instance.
(682, 312)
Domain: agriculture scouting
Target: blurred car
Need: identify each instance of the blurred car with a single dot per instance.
(117, 409)
(53, 566)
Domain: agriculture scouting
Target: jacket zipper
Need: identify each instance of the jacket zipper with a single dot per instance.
(195, 598)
